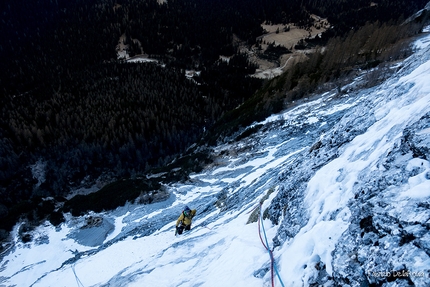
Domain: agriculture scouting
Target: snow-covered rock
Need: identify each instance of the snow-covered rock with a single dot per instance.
(358, 204)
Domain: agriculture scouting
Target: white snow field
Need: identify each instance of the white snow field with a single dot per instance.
(336, 171)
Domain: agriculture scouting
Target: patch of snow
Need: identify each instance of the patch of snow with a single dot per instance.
(423, 42)
(118, 225)
(140, 59)
(192, 73)
(225, 59)
(38, 171)
(312, 120)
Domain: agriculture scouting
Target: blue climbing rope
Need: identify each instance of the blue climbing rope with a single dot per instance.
(268, 250)
(272, 259)
(78, 281)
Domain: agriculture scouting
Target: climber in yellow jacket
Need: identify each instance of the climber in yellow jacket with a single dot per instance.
(184, 220)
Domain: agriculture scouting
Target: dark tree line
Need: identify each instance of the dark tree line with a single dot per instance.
(119, 116)
(115, 118)
(44, 41)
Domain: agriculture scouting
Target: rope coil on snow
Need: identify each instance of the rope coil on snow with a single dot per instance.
(266, 246)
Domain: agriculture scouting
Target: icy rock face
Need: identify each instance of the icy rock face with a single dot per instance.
(290, 198)
(93, 230)
(389, 230)
(417, 139)
(355, 209)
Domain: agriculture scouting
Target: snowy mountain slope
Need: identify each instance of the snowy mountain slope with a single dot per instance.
(344, 179)
(357, 213)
